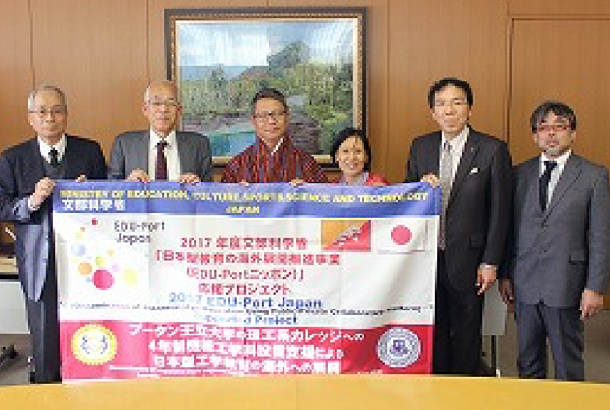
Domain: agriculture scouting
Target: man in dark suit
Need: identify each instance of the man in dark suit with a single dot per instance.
(161, 153)
(473, 170)
(560, 247)
(27, 175)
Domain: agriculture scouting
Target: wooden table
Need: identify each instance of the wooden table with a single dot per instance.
(351, 392)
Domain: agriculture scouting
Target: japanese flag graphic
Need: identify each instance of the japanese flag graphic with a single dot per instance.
(404, 235)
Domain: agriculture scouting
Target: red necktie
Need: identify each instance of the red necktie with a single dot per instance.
(161, 164)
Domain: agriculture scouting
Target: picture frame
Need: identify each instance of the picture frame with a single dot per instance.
(220, 58)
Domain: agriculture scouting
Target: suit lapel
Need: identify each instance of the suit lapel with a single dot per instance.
(470, 152)
(75, 162)
(36, 166)
(71, 159)
(570, 174)
(184, 151)
(433, 154)
(144, 148)
(528, 190)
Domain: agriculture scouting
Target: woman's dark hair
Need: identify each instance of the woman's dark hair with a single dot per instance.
(347, 133)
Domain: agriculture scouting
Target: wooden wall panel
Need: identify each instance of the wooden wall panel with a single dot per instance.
(15, 71)
(104, 52)
(96, 51)
(569, 8)
(565, 60)
(432, 39)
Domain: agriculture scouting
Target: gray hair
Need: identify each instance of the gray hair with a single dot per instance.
(46, 87)
(165, 83)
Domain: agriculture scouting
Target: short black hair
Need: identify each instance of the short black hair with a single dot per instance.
(347, 133)
(444, 82)
(271, 93)
(558, 108)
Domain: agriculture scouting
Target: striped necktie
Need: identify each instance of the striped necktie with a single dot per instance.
(161, 163)
(446, 179)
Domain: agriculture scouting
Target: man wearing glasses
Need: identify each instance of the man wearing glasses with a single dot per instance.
(272, 158)
(473, 170)
(161, 153)
(560, 249)
(27, 177)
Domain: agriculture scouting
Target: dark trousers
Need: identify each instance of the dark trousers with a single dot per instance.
(457, 326)
(44, 330)
(565, 332)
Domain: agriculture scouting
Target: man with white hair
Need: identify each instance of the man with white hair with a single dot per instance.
(161, 153)
(28, 172)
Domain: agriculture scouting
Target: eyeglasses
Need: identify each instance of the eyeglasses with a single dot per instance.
(457, 102)
(158, 104)
(265, 116)
(43, 112)
(553, 127)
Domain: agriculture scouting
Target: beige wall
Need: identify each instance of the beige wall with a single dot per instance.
(103, 53)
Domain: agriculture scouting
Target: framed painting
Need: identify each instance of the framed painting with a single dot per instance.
(221, 57)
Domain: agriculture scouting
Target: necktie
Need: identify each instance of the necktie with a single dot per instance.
(446, 179)
(161, 163)
(54, 157)
(544, 183)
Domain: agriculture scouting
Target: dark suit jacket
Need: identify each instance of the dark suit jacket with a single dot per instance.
(479, 205)
(130, 151)
(21, 167)
(559, 252)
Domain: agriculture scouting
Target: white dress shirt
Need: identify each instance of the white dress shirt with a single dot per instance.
(45, 149)
(171, 155)
(556, 172)
(457, 148)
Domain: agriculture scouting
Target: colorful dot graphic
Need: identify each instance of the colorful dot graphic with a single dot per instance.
(102, 279)
(102, 267)
(84, 268)
(130, 277)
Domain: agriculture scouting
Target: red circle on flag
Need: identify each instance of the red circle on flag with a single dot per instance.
(401, 235)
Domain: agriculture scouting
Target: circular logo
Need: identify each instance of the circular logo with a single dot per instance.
(94, 345)
(398, 347)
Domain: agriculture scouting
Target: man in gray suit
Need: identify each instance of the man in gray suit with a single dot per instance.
(161, 153)
(27, 178)
(560, 247)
